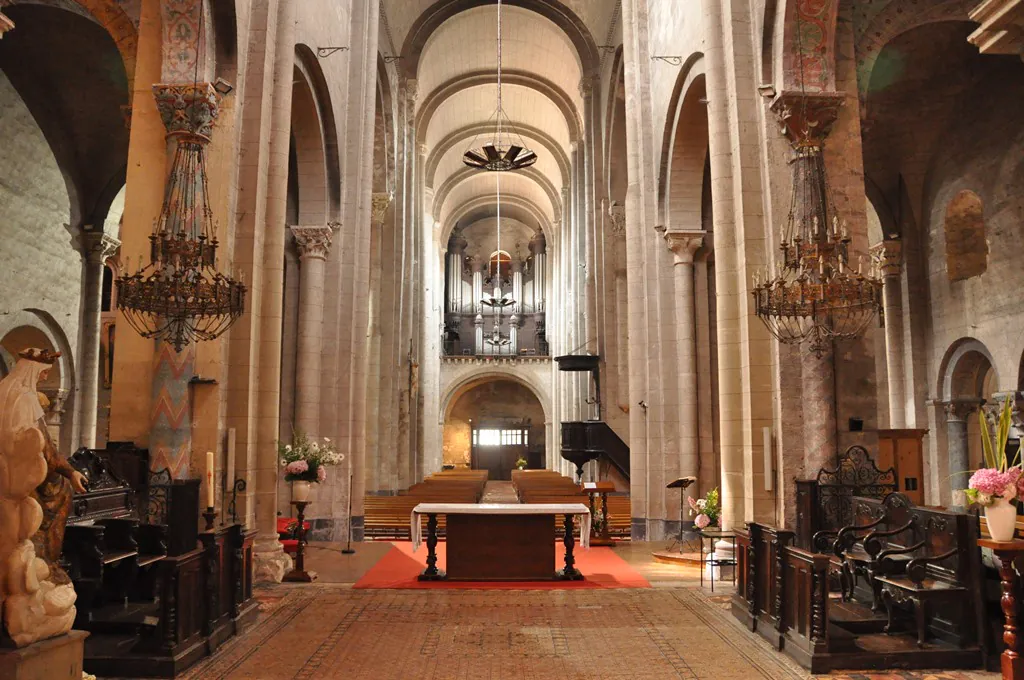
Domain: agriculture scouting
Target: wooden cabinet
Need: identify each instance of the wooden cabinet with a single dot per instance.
(903, 450)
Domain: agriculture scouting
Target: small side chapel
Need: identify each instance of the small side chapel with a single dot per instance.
(396, 339)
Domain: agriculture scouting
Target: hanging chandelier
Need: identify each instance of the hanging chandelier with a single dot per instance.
(179, 297)
(506, 150)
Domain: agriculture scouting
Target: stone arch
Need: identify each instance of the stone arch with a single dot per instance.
(441, 194)
(310, 162)
(517, 203)
(768, 20)
(964, 230)
(964, 370)
(684, 149)
(111, 16)
(525, 79)
(384, 134)
(442, 10)
(20, 329)
(615, 139)
(309, 66)
(895, 19)
(469, 132)
(487, 374)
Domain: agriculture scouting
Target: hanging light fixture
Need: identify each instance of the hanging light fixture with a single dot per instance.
(506, 150)
(815, 294)
(179, 296)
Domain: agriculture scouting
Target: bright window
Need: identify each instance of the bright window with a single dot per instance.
(500, 437)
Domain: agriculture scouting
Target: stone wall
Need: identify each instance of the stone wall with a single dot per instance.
(494, 404)
(42, 269)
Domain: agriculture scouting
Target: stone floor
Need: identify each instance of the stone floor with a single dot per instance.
(674, 630)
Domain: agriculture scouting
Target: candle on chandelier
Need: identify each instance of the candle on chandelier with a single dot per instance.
(209, 479)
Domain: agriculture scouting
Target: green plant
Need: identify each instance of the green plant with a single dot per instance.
(995, 453)
(521, 463)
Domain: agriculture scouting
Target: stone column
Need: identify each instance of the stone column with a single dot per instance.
(889, 253)
(957, 412)
(98, 247)
(314, 245)
(683, 245)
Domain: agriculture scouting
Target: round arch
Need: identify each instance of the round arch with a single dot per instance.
(490, 374)
(684, 149)
(309, 66)
(960, 369)
(310, 159)
(466, 174)
(442, 10)
(42, 327)
(483, 206)
(469, 132)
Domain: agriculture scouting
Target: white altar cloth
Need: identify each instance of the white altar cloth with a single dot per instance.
(499, 509)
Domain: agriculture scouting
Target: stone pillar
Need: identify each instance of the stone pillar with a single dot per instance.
(889, 253)
(683, 245)
(958, 448)
(98, 247)
(314, 245)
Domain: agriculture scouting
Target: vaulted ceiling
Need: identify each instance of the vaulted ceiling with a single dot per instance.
(449, 47)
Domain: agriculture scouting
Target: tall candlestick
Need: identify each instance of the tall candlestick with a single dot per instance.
(209, 479)
(229, 472)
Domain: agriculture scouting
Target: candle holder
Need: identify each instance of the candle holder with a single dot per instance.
(231, 506)
(209, 515)
(299, 573)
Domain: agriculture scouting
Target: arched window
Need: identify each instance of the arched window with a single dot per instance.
(108, 287)
(505, 263)
(966, 246)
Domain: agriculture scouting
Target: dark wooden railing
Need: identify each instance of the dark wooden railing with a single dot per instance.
(782, 592)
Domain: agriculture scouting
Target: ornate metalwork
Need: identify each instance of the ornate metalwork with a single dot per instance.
(672, 60)
(855, 475)
(158, 493)
(324, 52)
(179, 296)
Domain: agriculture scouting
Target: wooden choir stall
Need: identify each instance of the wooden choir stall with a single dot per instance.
(156, 595)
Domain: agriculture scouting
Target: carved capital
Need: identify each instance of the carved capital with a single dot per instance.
(411, 91)
(314, 242)
(54, 411)
(889, 254)
(1016, 409)
(684, 244)
(99, 246)
(381, 203)
(187, 109)
(807, 118)
(538, 244)
(617, 219)
(1002, 27)
(957, 410)
(586, 87)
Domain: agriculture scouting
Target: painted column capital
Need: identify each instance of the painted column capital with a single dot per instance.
(314, 242)
(957, 410)
(99, 246)
(890, 256)
(187, 109)
(1002, 27)
(684, 243)
(807, 118)
(381, 203)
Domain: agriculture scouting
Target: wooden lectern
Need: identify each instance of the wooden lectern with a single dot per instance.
(594, 489)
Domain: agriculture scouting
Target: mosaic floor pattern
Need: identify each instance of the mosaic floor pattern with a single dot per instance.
(313, 632)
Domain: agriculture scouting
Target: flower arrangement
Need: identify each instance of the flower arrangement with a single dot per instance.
(521, 463)
(306, 460)
(1002, 477)
(705, 510)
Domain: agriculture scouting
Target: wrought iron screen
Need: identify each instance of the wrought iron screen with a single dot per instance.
(855, 475)
(157, 498)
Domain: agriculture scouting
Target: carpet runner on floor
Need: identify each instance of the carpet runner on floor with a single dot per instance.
(601, 567)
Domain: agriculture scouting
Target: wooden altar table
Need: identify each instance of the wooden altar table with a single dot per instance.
(500, 541)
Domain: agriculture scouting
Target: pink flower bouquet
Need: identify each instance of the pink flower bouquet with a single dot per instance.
(306, 460)
(1001, 479)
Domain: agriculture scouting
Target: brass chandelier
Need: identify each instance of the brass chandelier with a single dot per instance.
(506, 150)
(179, 297)
(816, 295)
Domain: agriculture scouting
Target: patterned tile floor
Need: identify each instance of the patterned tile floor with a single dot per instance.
(675, 630)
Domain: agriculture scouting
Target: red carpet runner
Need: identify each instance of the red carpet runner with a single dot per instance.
(601, 567)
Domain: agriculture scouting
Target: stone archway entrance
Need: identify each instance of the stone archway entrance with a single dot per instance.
(492, 425)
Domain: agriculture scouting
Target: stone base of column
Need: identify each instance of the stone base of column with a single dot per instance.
(270, 561)
(58, 658)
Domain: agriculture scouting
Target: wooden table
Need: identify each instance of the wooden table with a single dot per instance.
(1012, 661)
(594, 489)
(500, 541)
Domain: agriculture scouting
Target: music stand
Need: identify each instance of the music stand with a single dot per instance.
(683, 483)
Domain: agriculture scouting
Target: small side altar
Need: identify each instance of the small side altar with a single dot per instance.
(501, 541)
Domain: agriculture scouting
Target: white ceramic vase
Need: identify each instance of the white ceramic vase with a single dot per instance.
(300, 491)
(1002, 519)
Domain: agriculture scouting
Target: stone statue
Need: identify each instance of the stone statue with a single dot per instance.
(36, 596)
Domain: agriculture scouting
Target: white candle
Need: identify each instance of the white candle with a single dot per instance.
(209, 479)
